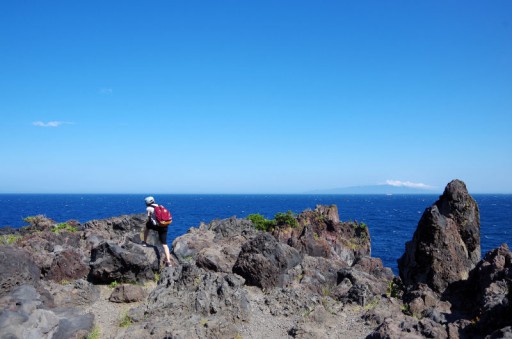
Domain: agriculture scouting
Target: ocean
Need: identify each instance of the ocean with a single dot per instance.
(391, 219)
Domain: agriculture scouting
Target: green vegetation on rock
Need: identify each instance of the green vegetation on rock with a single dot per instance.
(95, 333)
(125, 320)
(287, 218)
(280, 219)
(64, 227)
(261, 223)
(9, 239)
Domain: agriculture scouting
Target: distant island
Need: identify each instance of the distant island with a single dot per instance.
(377, 189)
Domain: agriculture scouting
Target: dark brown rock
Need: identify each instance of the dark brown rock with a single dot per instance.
(16, 269)
(128, 263)
(359, 287)
(263, 261)
(67, 265)
(127, 294)
(321, 234)
(446, 243)
(487, 294)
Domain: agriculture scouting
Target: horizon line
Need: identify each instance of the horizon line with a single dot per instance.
(240, 193)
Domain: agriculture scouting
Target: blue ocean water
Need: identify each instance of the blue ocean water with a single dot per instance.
(391, 219)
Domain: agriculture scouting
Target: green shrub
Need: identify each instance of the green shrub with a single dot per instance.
(286, 219)
(280, 219)
(64, 226)
(9, 239)
(261, 223)
(95, 333)
(113, 284)
(125, 320)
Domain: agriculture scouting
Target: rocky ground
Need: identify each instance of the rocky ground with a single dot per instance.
(306, 276)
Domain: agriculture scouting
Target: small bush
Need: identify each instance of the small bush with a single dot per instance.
(286, 219)
(125, 321)
(9, 239)
(280, 219)
(95, 333)
(261, 223)
(395, 288)
(113, 284)
(64, 226)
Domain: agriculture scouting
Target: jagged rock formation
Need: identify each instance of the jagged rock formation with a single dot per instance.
(264, 262)
(127, 263)
(448, 293)
(486, 297)
(191, 302)
(446, 244)
(321, 234)
(203, 285)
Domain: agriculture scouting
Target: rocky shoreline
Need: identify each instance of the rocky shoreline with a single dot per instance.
(310, 278)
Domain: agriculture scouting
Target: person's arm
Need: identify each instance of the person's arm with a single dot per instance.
(148, 213)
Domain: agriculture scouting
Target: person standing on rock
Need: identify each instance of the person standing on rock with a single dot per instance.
(152, 224)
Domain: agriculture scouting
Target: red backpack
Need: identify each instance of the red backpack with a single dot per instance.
(162, 215)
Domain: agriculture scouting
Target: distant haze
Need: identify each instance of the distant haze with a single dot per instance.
(377, 189)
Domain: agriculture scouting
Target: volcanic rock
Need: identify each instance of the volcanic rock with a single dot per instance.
(128, 263)
(192, 302)
(446, 243)
(263, 261)
(17, 269)
(127, 293)
(67, 265)
(321, 234)
(23, 316)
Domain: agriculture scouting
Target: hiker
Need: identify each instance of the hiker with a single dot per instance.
(153, 224)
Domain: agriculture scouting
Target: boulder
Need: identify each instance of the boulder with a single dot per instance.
(446, 243)
(263, 261)
(319, 274)
(73, 294)
(67, 265)
(359, 287)
(409, 328)
(191, 302)
(123, 229)
(127, 294)
(23, 316)
(214, 246)
(487, 294)
(386, 308)
(17, 269)
(231, 227)
(128, 263)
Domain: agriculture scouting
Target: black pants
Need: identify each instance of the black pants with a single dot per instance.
(162, 231)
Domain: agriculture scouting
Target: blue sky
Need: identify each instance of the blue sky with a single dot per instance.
(254, 96)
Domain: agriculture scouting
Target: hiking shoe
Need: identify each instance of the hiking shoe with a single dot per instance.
(167, 264)
(144, 244)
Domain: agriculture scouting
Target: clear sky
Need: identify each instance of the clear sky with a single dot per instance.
(254, 96)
